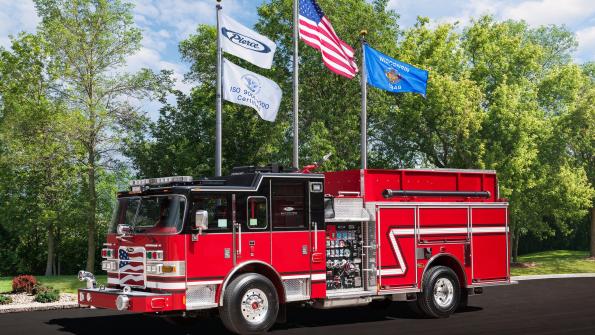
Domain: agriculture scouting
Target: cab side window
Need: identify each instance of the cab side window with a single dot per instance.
(256, 213)
(219, 209)
(289, 205)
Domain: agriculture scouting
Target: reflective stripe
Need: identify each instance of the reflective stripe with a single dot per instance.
(167, 286)
(446, 231)
(318, 276)
(388, 272)
(206, 282)
(295, 276)
(486, 230)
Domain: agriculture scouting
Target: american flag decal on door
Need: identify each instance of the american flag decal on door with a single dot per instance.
(132, 266)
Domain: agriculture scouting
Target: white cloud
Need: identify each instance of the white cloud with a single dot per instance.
(586, 44)
(152, 59)
(543, 12)
(577, 15)
(15, 17)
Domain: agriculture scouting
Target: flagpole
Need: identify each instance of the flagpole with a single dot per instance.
(218, 102)
(363, 116)
(295, 85)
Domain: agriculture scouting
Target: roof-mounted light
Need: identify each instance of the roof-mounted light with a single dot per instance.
(161, 180)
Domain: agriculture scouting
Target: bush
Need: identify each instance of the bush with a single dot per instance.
(5, 300)
(24, 283)
(47, 294)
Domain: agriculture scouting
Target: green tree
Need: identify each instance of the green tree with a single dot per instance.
(39, 151)
(90, 40)
(575, 132)
(528, 83)
(442, 129)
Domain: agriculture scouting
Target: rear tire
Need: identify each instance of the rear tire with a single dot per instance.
(441, 293)
(250, 304)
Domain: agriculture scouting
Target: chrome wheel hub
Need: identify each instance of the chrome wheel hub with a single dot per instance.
(443, 292)
(255, 305)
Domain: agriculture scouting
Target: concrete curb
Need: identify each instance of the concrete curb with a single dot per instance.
(554, 276)
(44, 307)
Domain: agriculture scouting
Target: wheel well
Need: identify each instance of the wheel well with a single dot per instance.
(262, 269)
(450, 262)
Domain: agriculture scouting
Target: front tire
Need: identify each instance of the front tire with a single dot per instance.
(250, 304)
(441, 293)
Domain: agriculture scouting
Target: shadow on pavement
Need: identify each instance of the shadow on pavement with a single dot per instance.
(298, 317)
(133, 324)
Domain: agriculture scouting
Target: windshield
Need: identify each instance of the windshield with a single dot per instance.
(151, 214)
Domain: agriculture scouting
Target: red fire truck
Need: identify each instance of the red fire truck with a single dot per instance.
(248, 244)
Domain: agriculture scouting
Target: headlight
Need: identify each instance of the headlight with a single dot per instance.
(108, 266)
(154, 268)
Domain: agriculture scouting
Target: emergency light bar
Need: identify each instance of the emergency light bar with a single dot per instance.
(161, 181)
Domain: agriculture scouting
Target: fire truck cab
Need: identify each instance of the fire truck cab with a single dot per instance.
(249, 243)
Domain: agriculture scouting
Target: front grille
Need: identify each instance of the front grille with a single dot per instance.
(131, 266)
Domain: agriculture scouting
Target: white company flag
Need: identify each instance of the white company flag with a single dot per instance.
(245, 43)
(247, 88)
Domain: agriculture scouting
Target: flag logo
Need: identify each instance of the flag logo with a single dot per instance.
(244, 41)
(123, 258)
(132, 266)
(250, 89)
(393, 76)
(252, 83)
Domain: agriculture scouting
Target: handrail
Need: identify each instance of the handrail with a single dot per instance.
(388, 193)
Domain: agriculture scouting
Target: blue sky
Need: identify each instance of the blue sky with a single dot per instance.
(165, 23)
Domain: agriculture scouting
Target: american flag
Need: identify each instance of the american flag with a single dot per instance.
(316, 31)
(131, 267)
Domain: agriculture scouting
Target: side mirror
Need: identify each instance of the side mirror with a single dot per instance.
(201, 221)
(123, 229)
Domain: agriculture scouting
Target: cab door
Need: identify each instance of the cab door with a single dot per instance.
(290, 239)
(252, 231)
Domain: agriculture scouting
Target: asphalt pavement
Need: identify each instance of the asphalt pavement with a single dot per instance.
(552, 306)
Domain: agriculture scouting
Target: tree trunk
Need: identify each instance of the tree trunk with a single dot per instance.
(593, 231)
(49, 266)
(91, 221)
(515, 246)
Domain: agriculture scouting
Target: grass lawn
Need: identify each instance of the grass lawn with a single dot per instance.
(66, 284)
(552, 262)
